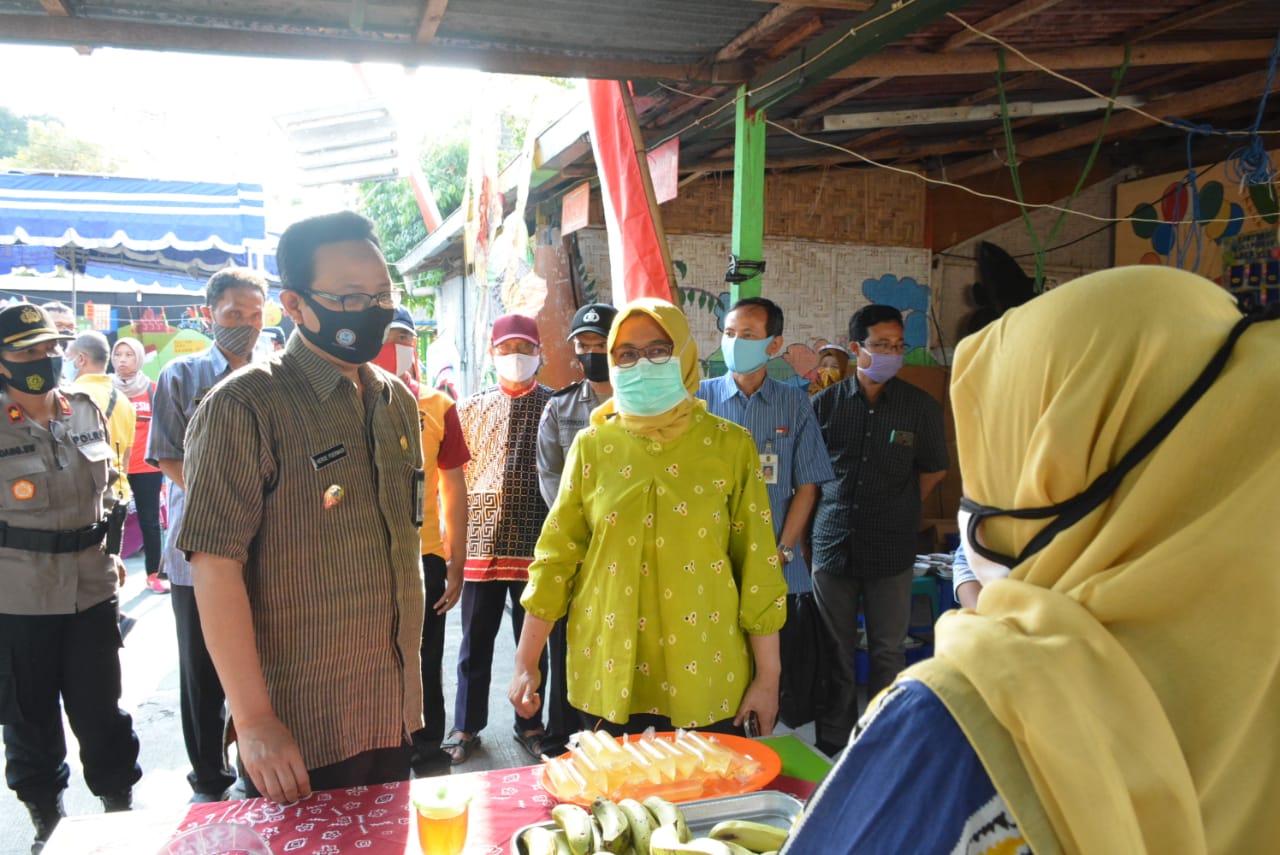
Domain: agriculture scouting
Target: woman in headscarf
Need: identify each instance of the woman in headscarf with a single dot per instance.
(145, 480)
(833, 366)
(660, 549)
(1115, 690)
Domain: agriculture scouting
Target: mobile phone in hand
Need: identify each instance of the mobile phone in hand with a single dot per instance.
(753, 725)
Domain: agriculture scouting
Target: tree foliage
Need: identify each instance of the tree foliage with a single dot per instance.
(393, 208)
(13, 132)
(51, 147)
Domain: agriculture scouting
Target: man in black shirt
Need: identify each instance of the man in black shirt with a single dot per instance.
(886, 444)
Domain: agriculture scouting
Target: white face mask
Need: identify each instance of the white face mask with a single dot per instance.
(69, 370)
(516, 367)
(984, 568)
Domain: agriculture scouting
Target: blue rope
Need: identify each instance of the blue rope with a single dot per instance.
(1250, 164)
(1195, 233)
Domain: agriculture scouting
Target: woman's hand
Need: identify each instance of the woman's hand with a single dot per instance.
(761, 698)
(523, 693)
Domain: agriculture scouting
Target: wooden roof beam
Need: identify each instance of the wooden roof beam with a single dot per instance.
(1069, 59)
(775, 19)
(845, 5)
(1184, 19)
(1001, 20)
(432, 15)
(1192, 103)
(128, 34)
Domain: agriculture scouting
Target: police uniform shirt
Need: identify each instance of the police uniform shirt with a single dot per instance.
(568, 412)
(54, 478)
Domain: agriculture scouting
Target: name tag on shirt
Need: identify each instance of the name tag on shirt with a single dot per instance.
(769, 467)
(329, 455)
(419, 496)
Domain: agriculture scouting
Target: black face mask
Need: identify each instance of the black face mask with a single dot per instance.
(35, 377)
(353, 337)
(595, 366)
(1079, 506)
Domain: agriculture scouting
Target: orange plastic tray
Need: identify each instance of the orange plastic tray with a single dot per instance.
(679, 791)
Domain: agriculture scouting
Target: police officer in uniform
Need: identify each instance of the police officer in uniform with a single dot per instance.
(59, 636)
(568, 412)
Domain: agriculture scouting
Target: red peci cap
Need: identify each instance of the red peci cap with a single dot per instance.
(515, 326)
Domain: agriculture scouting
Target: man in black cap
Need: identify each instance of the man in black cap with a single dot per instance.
(568, 412)
(58, 619)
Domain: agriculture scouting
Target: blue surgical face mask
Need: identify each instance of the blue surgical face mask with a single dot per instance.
(646, 389)
(744, 355)
(883, 366)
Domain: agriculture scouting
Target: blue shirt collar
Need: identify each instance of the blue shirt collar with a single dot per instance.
(764, 393)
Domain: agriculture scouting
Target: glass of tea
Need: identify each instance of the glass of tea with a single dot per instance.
(441, 806)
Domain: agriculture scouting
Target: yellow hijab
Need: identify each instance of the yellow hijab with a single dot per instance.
(1121, 686)
(668, 425)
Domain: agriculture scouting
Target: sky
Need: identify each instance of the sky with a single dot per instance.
(211, 118)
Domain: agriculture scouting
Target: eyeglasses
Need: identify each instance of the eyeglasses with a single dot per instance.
(884, 347)
(658, 354)
(360, 302)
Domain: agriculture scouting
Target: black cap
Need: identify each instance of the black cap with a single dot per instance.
(23, 325)
(593, 317)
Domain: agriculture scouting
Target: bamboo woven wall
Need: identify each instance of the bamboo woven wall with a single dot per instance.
(818, 285)
(855, 206)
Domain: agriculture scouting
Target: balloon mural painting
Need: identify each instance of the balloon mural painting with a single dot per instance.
(1179, 213)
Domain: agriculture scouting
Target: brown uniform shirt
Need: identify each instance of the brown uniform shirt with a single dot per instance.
(319, 495)
(54, 477)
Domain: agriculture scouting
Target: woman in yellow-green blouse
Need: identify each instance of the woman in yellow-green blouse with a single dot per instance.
(661, 551)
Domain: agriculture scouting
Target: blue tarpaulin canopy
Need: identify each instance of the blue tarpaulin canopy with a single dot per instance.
(137, 239)
(140, 215)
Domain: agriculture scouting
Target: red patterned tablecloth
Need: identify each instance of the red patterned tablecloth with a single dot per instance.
(377, 820)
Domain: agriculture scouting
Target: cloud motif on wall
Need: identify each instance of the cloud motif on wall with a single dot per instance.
(907, 296)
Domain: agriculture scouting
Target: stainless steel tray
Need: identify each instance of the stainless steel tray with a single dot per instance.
(767, 806)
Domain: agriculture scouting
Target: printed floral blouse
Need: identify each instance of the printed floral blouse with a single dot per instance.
(664, 559)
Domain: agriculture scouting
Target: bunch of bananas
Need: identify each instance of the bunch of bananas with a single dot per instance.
(656, 827)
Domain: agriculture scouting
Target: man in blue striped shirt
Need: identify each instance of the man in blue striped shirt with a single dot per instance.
(234, 300)
(793, 457)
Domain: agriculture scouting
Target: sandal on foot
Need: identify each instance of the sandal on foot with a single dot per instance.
(530, 741)
(460, 746)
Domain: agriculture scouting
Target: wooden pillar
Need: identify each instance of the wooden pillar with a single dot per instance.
(748, 193)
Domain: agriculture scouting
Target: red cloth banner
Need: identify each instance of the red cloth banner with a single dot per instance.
(635, 255)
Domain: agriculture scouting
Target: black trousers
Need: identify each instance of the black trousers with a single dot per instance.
(433, 625)
(146, 499)
(562, 718)
(73, 659)
(200, 698)
(376, 766)
(482, 606)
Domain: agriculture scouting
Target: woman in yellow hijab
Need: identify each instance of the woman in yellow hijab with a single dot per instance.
(1116, 688)
(660, 549)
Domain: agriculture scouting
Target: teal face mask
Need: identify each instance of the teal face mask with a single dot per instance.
(646, 389)
(744, 355)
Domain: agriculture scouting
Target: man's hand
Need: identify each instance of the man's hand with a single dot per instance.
(761, 698)
(272, 758)
(524, 691)
(452, 588)
(120, 569)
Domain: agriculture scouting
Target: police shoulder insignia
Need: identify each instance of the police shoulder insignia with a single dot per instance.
(15, 414)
